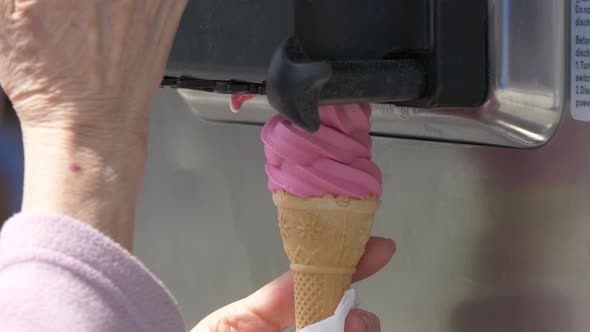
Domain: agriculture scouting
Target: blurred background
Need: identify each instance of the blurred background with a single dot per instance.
(490, 239)
(11, 160)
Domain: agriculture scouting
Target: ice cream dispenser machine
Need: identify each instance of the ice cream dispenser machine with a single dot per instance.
(476, 71)
(480, 121)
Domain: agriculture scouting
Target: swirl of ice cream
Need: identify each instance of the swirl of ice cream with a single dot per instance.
(334, 160)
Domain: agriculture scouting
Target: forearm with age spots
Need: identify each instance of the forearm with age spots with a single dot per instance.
(93, 180)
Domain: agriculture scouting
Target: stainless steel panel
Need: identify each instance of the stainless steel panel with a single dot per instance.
(490, 239)
(527, 52)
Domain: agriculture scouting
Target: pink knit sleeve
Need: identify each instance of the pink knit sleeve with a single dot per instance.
(58, 274)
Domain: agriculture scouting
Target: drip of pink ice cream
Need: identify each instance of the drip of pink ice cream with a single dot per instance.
(237, 101)
(334, 160)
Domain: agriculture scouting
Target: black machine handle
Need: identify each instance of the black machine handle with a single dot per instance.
(296, 88)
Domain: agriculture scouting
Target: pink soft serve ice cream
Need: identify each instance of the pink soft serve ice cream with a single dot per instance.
(335, 160)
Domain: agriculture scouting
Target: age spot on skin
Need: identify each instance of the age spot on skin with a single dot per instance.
(75, 168)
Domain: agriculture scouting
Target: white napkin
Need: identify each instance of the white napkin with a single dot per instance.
(335, 323)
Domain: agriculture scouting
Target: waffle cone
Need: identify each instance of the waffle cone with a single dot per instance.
(324, 239)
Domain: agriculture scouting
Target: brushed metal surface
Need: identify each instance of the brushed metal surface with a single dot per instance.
(528, 66)
(490, 239)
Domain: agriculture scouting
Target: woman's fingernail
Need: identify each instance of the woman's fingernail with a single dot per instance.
(371, 320)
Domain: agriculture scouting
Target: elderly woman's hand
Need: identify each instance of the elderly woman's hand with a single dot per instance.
(82, 76)
(271, 309)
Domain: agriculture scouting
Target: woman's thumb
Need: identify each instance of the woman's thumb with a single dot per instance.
(362, 321)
